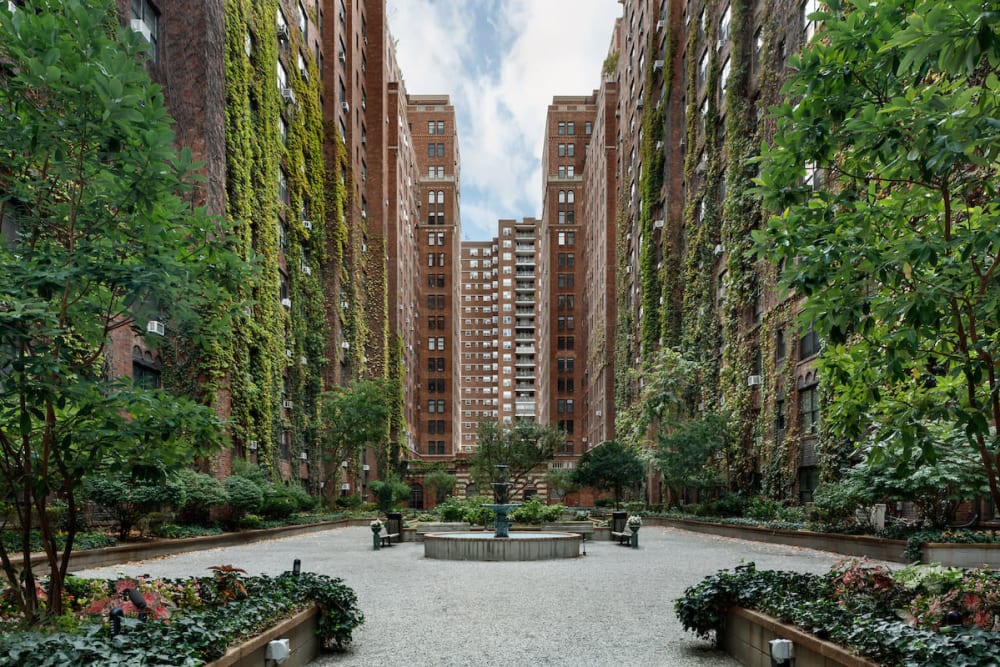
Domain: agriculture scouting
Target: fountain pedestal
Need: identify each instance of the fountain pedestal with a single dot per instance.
(501, 524)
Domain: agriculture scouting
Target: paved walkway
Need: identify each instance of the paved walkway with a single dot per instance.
(612, 607)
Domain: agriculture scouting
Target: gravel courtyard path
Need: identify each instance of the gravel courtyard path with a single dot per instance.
(613, 606)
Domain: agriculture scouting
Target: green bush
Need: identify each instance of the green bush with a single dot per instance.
(129, 500)
(280, 502)
(476, 511)
(534, 511)
(251, 521)
(389, 493)
(349, 502)
(604, 502)
(762, 509)
(244, 496)
(202, 493)
(452, 509)
(200, 629)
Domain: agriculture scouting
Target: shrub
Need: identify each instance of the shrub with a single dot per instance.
(205, 618)
(534, 511)
(244, 496)
(389, 493)
(202, 493)
(762, 509)
(476, 511)
(351, 501)
(280, 502)
(451, 510)
(129, 501)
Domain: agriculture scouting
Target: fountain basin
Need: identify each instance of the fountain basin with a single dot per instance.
(516, 547)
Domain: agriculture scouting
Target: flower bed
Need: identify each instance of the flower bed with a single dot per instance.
(174, 622)
(920, 615)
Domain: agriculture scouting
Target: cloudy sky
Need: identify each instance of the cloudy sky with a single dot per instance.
(501, 61)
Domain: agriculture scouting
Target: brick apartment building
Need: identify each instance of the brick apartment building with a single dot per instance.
(638, 244)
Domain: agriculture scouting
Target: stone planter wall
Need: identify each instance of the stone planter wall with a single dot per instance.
(441, 527)
(862, 546)
(745, 636)
(300, 630)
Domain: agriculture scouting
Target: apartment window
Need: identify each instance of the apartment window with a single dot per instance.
(809, 7)
(808, 344)
(303, 22)
(588, 128)
(561, 171)
(431, 127)
(561, 150)
(440, 259)
(561, 128)
(282, 77)
(431, 150)
(145, 369)
(780, 348)
(432, 406)
(146, 21)
(283, 186)
(565, 280)
(779, 420)
(808, 409)
(440, 127)
(440, 150)
(724, 24)
(570, 150)
(569, 128)
(566, 426)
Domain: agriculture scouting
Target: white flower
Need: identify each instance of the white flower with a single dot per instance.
(635, 520)
(376, 522)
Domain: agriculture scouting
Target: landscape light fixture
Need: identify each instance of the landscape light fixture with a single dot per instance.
(782, 652)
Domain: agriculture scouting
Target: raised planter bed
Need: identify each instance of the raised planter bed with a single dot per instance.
(90, 558)
(300, 630)
(862, 546)
(746, 633)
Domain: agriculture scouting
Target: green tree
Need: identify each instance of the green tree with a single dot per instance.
(441, 483)
(523, 446)
(685, 454)
(100, 235)
(882, 180)
(130, 499)
(389, 492)
(610, 465)
(355, 417)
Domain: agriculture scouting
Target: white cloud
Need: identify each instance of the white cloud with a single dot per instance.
(501, 62)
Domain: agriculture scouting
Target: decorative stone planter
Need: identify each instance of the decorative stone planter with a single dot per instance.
(745, 636)
(486, 547)
(300, 630)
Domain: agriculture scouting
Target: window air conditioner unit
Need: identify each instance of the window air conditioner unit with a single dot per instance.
(288, 353)
(345, 345)
(252, 445)
(156, 327)
(282, 30)
(307, 224)
(342, 57)
(598, 413)
(719, 249)
(286, 302)
(286, 405)
(139, 26)
(753, 380)
(657, 65)
(364, 139)
(304, 361)
(307, 270)
(661, 24)
(346, 107)
(304, 456)
(345, 487)
(343, 464)
(658, 224)
(288, 95)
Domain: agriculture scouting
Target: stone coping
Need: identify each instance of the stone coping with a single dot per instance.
(85, 559)
(746, 633)
(863, 546)
(300, 630)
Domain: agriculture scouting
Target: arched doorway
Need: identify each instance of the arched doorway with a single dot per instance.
(416, 496)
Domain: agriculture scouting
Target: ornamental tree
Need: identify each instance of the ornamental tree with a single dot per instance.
(523, 446)
(612, 466)
(882, 183)
(99, 234)
(357, 416)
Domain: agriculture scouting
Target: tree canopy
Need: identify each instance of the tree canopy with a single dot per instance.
(610, 465)
(100, 236)
(523, 446)
(882, 184)
(357, 416)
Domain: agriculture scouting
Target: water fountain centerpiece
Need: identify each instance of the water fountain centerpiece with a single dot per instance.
(502, 505)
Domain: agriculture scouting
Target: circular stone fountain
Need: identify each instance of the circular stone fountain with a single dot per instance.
(501, 545)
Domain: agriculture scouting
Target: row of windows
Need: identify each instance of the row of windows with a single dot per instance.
(436, 406)
(435, 127)
(435, 280)
(435, 150)
(436, 426)
(565, 323)
(436, 259)
(565, 127)
(436, 322)
(566, 150)
(435, 446)
(565, 301)
(436, 344)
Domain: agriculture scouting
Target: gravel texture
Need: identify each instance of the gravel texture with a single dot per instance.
(613, 606)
